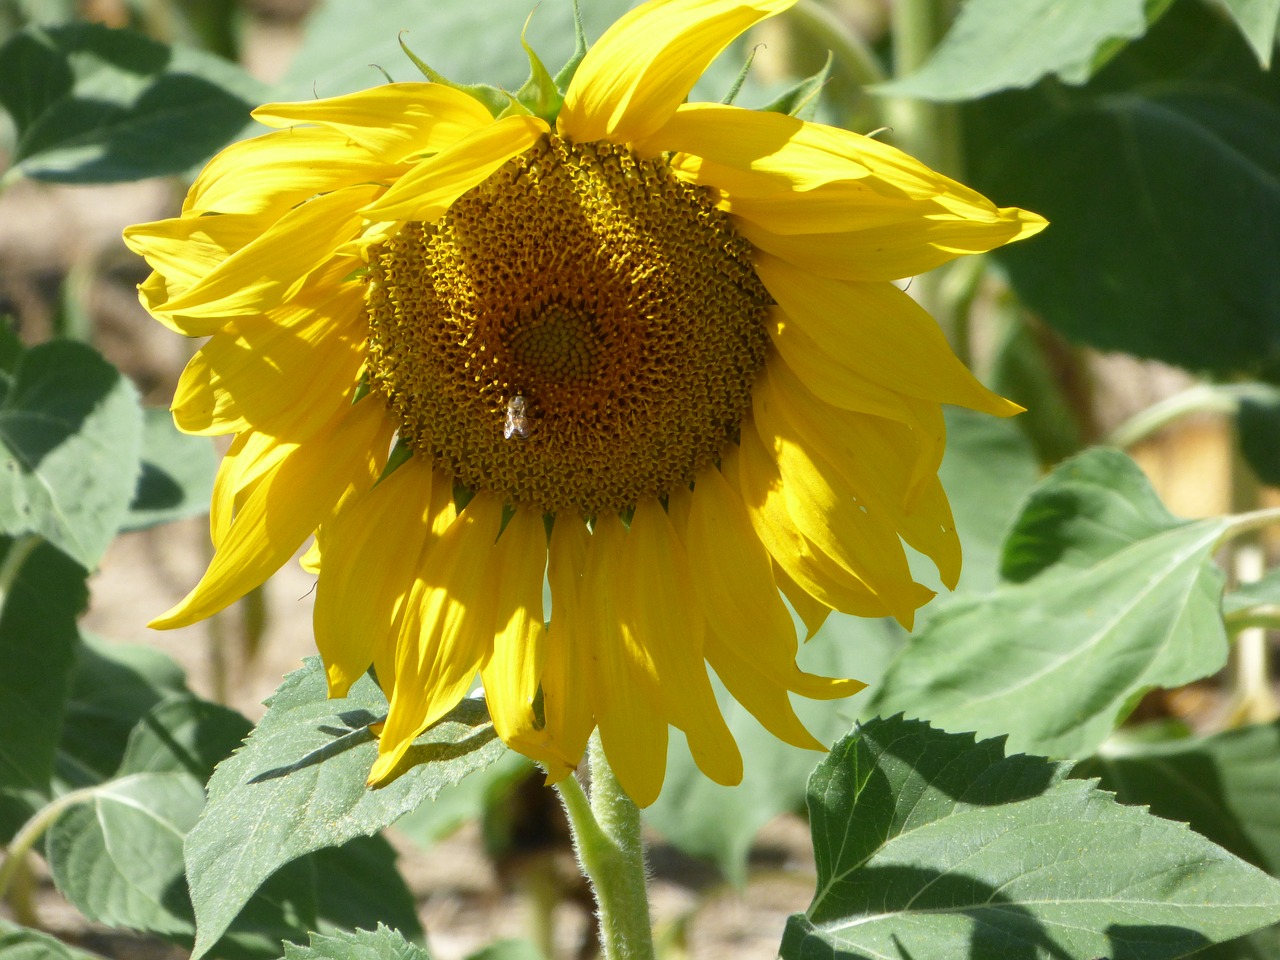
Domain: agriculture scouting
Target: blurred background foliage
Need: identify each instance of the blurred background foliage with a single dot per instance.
(1147, 317)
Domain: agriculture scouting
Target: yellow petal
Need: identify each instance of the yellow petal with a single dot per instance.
(285, 377)
(839, 203)
(888, 253)
(871, 332)
(662, 616)
(752, 641)
(636, 75)
(182, 251)
(831, 376)
(624, 688)
(566, 673)
(446, 633)
(426, 191)
(284, 509)
(371, 551)
(270, 174)
(441, 515)
(393, 122)
(274, 266)
(769, 509)
(877, 459)
(812, 611)
(251, 457)
(857, 533)
(512, 672)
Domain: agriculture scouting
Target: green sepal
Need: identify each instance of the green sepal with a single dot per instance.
(497, 101)
(801, 100)
(539, 94)
(565, 75)
(734, 90)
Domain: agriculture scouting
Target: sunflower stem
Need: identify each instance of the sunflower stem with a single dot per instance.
(606, 836)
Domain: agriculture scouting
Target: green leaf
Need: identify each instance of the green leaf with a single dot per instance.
(988, 468)
(381, 944)
(1264, 590)
(184, 734)
(23, 943)
(509, 950)
(70, 436)
(358, 884)
(1027, 368)
(1103, 615)
(95, 105)
(1088, 510)
(1258, 430)
(1223, 785)
(1164, 201)
(994, 45)
(177, 474)
(302, 773)
(930, 846)
(113, 686)
(1258, 20)
(118, 857)
(37, 647)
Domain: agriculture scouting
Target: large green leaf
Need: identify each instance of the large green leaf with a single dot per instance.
(381, 944)
(987, 470)
(1164, 201)
(177, 474)
(70, 436)
(995, 45)
(1258, 21)
(930, 846)
(302, 775)
(23, 943)
(358, 884)
(118, 857)
(37, 647)
(1120, 601)
(113, 686)
(93, 105)
(1223, 785)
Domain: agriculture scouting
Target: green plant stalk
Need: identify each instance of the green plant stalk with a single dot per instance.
(33, 830)
(849, 50)
(929, 131)
(1202, 398)
(13, 561)
(606, 837)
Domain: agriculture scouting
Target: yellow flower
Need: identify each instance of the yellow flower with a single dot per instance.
(650, 355)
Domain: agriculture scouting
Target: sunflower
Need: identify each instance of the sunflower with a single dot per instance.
(643, 351)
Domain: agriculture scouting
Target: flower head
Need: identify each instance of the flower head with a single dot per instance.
(649, 354)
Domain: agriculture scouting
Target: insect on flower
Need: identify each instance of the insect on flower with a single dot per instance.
(516, 423)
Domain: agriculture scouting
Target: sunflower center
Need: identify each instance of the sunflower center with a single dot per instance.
(578, 332)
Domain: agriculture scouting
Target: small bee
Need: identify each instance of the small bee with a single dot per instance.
(516, 423)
